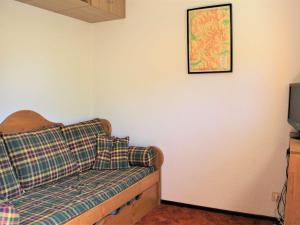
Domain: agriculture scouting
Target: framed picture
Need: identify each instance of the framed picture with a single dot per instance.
(209, 34)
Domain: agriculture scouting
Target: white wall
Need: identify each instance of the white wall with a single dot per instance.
(45, 63)
(224, 136)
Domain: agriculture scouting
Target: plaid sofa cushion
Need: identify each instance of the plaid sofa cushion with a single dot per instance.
(112, 153)
(58, 202)
(8, 214)
(81, 139)
(40, 156)
(141, 156)
(9, 185)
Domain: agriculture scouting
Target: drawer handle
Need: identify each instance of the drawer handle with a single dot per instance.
(138, 197)
(130, 202)
(118, 210)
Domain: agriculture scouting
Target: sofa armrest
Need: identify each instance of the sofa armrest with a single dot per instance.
(145, 156)
(106, 126)
(159, 157)
(8, 214)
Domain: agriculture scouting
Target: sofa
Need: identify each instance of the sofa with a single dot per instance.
(76, 174)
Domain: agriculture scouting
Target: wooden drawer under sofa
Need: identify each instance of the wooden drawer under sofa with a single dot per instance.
(135, 210)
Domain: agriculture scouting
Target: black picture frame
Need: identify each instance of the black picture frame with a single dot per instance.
(230, 69)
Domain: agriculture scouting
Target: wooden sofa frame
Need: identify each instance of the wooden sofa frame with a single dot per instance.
(146, 192)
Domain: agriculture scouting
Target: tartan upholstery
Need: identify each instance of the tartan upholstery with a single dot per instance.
(81, 139)
(8, 214)
(112, 153)
(141, 156)
(9, 185)
(57, 202)
(104, 146)
(119, 153)
(40, 156)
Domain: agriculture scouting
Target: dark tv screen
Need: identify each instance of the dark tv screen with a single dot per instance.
(294, 106)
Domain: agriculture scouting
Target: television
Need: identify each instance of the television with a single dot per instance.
(294, 107)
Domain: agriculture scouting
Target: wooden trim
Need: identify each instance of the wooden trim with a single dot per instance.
(132, 213)
(25, 121)
(107, 126)
(295, 146)
(87, 10)
(159, 159)
(115, 7)
(292, 208)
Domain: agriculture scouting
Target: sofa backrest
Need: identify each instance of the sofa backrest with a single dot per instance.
(81, 139)
(9, 185)
(40, 157)
(26, 121)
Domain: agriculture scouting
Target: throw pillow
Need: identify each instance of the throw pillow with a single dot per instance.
(112, 153)
(141, 156)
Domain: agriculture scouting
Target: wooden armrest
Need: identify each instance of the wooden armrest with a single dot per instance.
(292, 208)
(295, 146)
(106, 126)
(159, 157)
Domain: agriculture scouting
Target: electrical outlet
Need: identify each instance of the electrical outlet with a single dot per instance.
(275, 196)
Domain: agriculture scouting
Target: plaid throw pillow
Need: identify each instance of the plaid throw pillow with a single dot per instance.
(112, 153)
(8, 214)
(104, 147)
(9, 185)
(40, 157)
(141, 156)
(119, 153)
(81, 139)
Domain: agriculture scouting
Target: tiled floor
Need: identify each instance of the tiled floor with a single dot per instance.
(173, 215)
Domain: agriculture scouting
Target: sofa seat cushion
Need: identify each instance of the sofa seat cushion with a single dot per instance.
(9, 185)
(40, 157)
(8, 214)
(58, 202)
(81, 139)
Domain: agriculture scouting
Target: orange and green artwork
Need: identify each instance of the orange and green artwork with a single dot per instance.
(210, 39)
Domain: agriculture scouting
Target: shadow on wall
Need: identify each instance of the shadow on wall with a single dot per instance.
(296, 79)
(257, 182)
